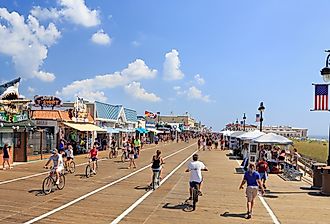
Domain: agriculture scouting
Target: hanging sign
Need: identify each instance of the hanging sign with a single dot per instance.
(47, 101)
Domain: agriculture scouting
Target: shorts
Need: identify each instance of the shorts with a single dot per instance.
(58, 169)
(156, 169)
(69, 158)
(251, 193)
(193, 184)
(94, 159)
(5, 158)
(263, 175)
(131, 156)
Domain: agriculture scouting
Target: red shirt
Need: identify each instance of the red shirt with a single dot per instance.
(262, 166)
(93, 153)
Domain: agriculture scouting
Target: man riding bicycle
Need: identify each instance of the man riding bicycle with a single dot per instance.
(93, 153)
(58, 165)
(195, 168)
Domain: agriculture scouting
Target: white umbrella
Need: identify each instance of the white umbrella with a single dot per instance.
(251, 135)
(272, 138)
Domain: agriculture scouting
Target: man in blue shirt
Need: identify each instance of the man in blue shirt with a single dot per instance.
(252, 178)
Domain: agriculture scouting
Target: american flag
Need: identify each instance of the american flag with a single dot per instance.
(257, 117)
(321, 97)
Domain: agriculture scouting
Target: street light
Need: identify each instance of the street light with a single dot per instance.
(325, 72)
(244, 118)
(261, 109)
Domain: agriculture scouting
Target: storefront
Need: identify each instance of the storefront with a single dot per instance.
(119, 122)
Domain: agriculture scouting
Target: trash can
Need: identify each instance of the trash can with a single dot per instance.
(317, 175)
(325, 189)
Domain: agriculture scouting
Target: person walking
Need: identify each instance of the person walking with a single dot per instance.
(6, 156)
(131, 156)
(262, 168)
(252, 178)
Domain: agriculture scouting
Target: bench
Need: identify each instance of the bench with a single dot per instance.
(291, 173)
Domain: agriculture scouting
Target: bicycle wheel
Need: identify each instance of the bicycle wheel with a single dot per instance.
(195, 198)
(123, 157)
(110, 154)
(72, 167)
(88, 171)
(47, 185)
(61, 184)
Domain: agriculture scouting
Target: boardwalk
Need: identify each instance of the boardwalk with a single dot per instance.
(112, 192)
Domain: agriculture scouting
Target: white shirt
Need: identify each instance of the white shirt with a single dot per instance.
(57, 161)
(195, 168)
(69, 153)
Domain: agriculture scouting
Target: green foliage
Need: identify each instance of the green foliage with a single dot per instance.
(316, 150)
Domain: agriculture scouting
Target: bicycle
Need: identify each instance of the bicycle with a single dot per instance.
(71, 168)
(124, 156)
(89, 169)
(113, 152)
(50, 181)
(195, 194)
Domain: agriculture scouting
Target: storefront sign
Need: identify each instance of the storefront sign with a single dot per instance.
(5, 117)
(47, 101)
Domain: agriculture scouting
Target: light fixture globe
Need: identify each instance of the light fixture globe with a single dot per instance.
(325, 72)
(261, 107)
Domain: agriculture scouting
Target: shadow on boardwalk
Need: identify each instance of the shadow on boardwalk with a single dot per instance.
(233, 215)
(185, 206)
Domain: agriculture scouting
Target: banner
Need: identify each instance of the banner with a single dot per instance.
(257, 117)
(321, 97)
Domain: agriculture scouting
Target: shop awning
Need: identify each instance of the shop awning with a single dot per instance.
(142, 130)
(112, 131)
(84, 127)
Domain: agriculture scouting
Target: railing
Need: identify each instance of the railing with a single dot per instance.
(306, 165)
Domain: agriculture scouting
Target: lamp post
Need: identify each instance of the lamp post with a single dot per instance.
(158, 116)
(261, 110)
(244, 118)
(325, 72)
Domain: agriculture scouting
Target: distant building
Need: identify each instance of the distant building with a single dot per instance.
(286, 131)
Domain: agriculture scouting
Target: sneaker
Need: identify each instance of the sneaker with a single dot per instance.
(190, 198)
(57, 182)
(94, 172)
(249, 216)
(200, 193)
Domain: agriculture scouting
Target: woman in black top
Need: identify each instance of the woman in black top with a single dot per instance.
(5, 156)
(157, 162)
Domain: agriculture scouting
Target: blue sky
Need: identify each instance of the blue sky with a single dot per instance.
(215, 59)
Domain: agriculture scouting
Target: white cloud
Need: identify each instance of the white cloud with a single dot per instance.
(136, 43)
(135, 71)
(73, 11)
(31, 90)
(194, 93)
(135, 90)
(177, 88)
(92, 96)
(101, 38)
(199, 79)
(172, 66)
(44, 13)
(27, 43)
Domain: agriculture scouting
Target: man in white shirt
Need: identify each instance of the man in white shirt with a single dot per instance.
(58, 165)
(195, 168)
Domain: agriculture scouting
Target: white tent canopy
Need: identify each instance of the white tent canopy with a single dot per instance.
(251, 135)
(272, 138)
(234, 134)
(226, 133)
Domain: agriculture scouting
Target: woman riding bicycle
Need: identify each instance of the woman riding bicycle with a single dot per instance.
(58, 165)
(93, 153)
